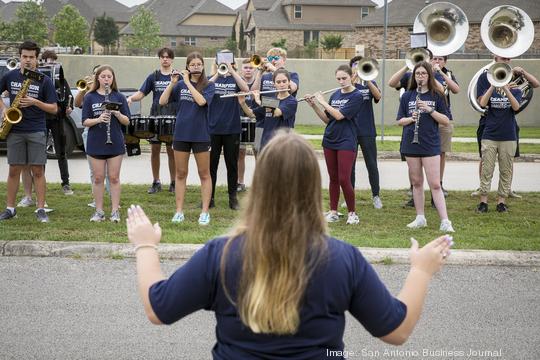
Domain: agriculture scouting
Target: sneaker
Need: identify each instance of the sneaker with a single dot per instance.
(178, 217)
(514, 195)
(446, 226)
(241, 188)
(377, 203)
(233, 203)
(433, 204)
(42, 216)
(344, 205)
(26, 202)
(172, 187)
(475, 193)
(482, 207)
(67, 190)
(92, 204)
(445, 193)
(115, 216)
(502, 207)
(418, 223)
(98, 216)
(409, 203)
(409, 191)
(204, 218)
(7, 214)
(353, 219)
(331, 217)
(156, 187)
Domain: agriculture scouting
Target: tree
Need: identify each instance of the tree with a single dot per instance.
(280, 43)
(7, 32)
(105, 32)
(242, 40)
(145, 31)
(231, 45)
(31, 23)
(332, 43)
(311, 48)
(70, 27)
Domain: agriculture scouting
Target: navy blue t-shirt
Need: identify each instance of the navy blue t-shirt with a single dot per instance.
(365, 119)
(500, 119)
(97, 134)
(344, 281)
(224, 116)
(341, 134)
(191, 119)
(272, 123)
(429, 142)
(33, 118)
(268, 85)
(156, 83)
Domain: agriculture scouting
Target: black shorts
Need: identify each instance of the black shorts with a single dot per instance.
(103, 157)
(188, 146)
(154, 142)
(517, 141)
(479, 133)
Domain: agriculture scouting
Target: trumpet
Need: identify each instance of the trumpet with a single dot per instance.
(414, 56)
(256, 60)
(223, 69)
(12, 63)
(323, 92)
(84, 84)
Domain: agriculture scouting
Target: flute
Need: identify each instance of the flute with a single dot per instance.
(251, 92)
(324, 92)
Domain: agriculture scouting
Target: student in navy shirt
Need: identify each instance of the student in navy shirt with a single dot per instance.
(156, 83)
(105, 157)
(194, 94)
(423, 107)
(279, 285)
(499, 140)
(366, 133)
(282, 116)
(339, 140)
(26, 141)
(225, 129)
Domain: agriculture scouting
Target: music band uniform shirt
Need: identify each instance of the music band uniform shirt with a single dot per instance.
(365, 119)
(267, 84)
(341, 134)
(272, 123)
(224, 117)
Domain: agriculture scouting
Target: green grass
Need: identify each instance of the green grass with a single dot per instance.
(459, 131)
(519, 229)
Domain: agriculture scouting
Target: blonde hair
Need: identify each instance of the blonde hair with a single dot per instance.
(284, 236)
(277, 51)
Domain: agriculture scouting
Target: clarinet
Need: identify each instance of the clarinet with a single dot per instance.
(416, 114)
(109, 141)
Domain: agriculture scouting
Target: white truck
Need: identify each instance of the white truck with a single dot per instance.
(64, 49)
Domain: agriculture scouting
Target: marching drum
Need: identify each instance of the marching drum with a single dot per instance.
(143, 126)
(247, 137)
(129, 138)
(165, 127)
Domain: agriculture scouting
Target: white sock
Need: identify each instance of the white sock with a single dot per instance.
(11, 209)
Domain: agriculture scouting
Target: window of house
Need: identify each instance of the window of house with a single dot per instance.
(311, 35)
(297, 11)
(213, 38)
(173, 41)
(190, 40)
(364, 11)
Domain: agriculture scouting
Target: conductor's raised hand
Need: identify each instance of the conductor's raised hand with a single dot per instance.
(139, 228)
(430, 258)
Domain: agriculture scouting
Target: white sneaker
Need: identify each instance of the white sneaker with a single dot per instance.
(475, 193)
(115, 216)
(344, 204)
(446, 226)
(204, 218)
(178, 217)
(418, 223)
(514, 195)
(377, 203)
(331, 217)
(92, 204)
(98, 216)
(353, 219)
(26, 202)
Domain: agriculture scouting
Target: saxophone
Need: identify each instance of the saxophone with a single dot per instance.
(13, 114)
(416, 114)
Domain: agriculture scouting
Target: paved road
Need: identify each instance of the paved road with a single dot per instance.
(61, 308)
(459, 175)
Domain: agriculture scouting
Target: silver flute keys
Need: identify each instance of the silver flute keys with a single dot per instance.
(107, 90)
(416, 115)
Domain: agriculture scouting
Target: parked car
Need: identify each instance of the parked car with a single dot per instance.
(64, 49)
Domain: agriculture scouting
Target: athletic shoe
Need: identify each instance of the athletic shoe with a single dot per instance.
(475, 193)
(233, 203)
(92, 204)
(67, 190)
(156, 187)
(204, 218)
(514, 195)
(241, 188)
(7, 214)
(446, 226)
(26, 202)
(331, 217)
(377, 203)
(418, 223)
(409, 191)
(42, 216)
(115, 216)
(172, 187)
(344, 205)
(445, 193)
(502, 207)
(178, 217)
(409, 203)
(433, 204)
(353, 219)
(482, 207)
(98, 216)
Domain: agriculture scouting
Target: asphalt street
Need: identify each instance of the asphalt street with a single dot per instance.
(63, 308)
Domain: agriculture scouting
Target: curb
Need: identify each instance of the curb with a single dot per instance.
(185, 251)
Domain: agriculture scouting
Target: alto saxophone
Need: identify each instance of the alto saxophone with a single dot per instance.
(416, 114)
(107, 90)
(13, 114)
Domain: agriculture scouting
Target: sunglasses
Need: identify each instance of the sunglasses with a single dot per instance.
(272, 58)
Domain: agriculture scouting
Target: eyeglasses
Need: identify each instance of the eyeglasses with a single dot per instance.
(272, 58)
(421, 73)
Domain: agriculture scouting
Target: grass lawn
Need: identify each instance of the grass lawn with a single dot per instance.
(519, 229)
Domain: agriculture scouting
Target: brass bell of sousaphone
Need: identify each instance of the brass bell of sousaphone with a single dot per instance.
(446, 26)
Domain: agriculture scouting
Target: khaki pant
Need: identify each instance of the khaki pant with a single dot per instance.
(503, 152)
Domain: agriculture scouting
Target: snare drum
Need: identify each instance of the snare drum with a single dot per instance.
(165, 127)
(129, 138)
(143, 126)
(248, 131)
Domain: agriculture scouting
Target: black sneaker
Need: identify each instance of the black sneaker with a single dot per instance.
(240, 187)
(212, 204)
(172, 187)
(6, 214)
(42, 216)
(409, 203)
(501, 207)
(233, 203)
(482, 207)
(156, 187)
(433, 204)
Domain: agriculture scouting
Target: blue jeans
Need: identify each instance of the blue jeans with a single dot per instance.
(369, 151)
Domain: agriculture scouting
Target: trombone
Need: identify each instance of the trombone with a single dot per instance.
(223, 69)
(415, 56)
(367, 69)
